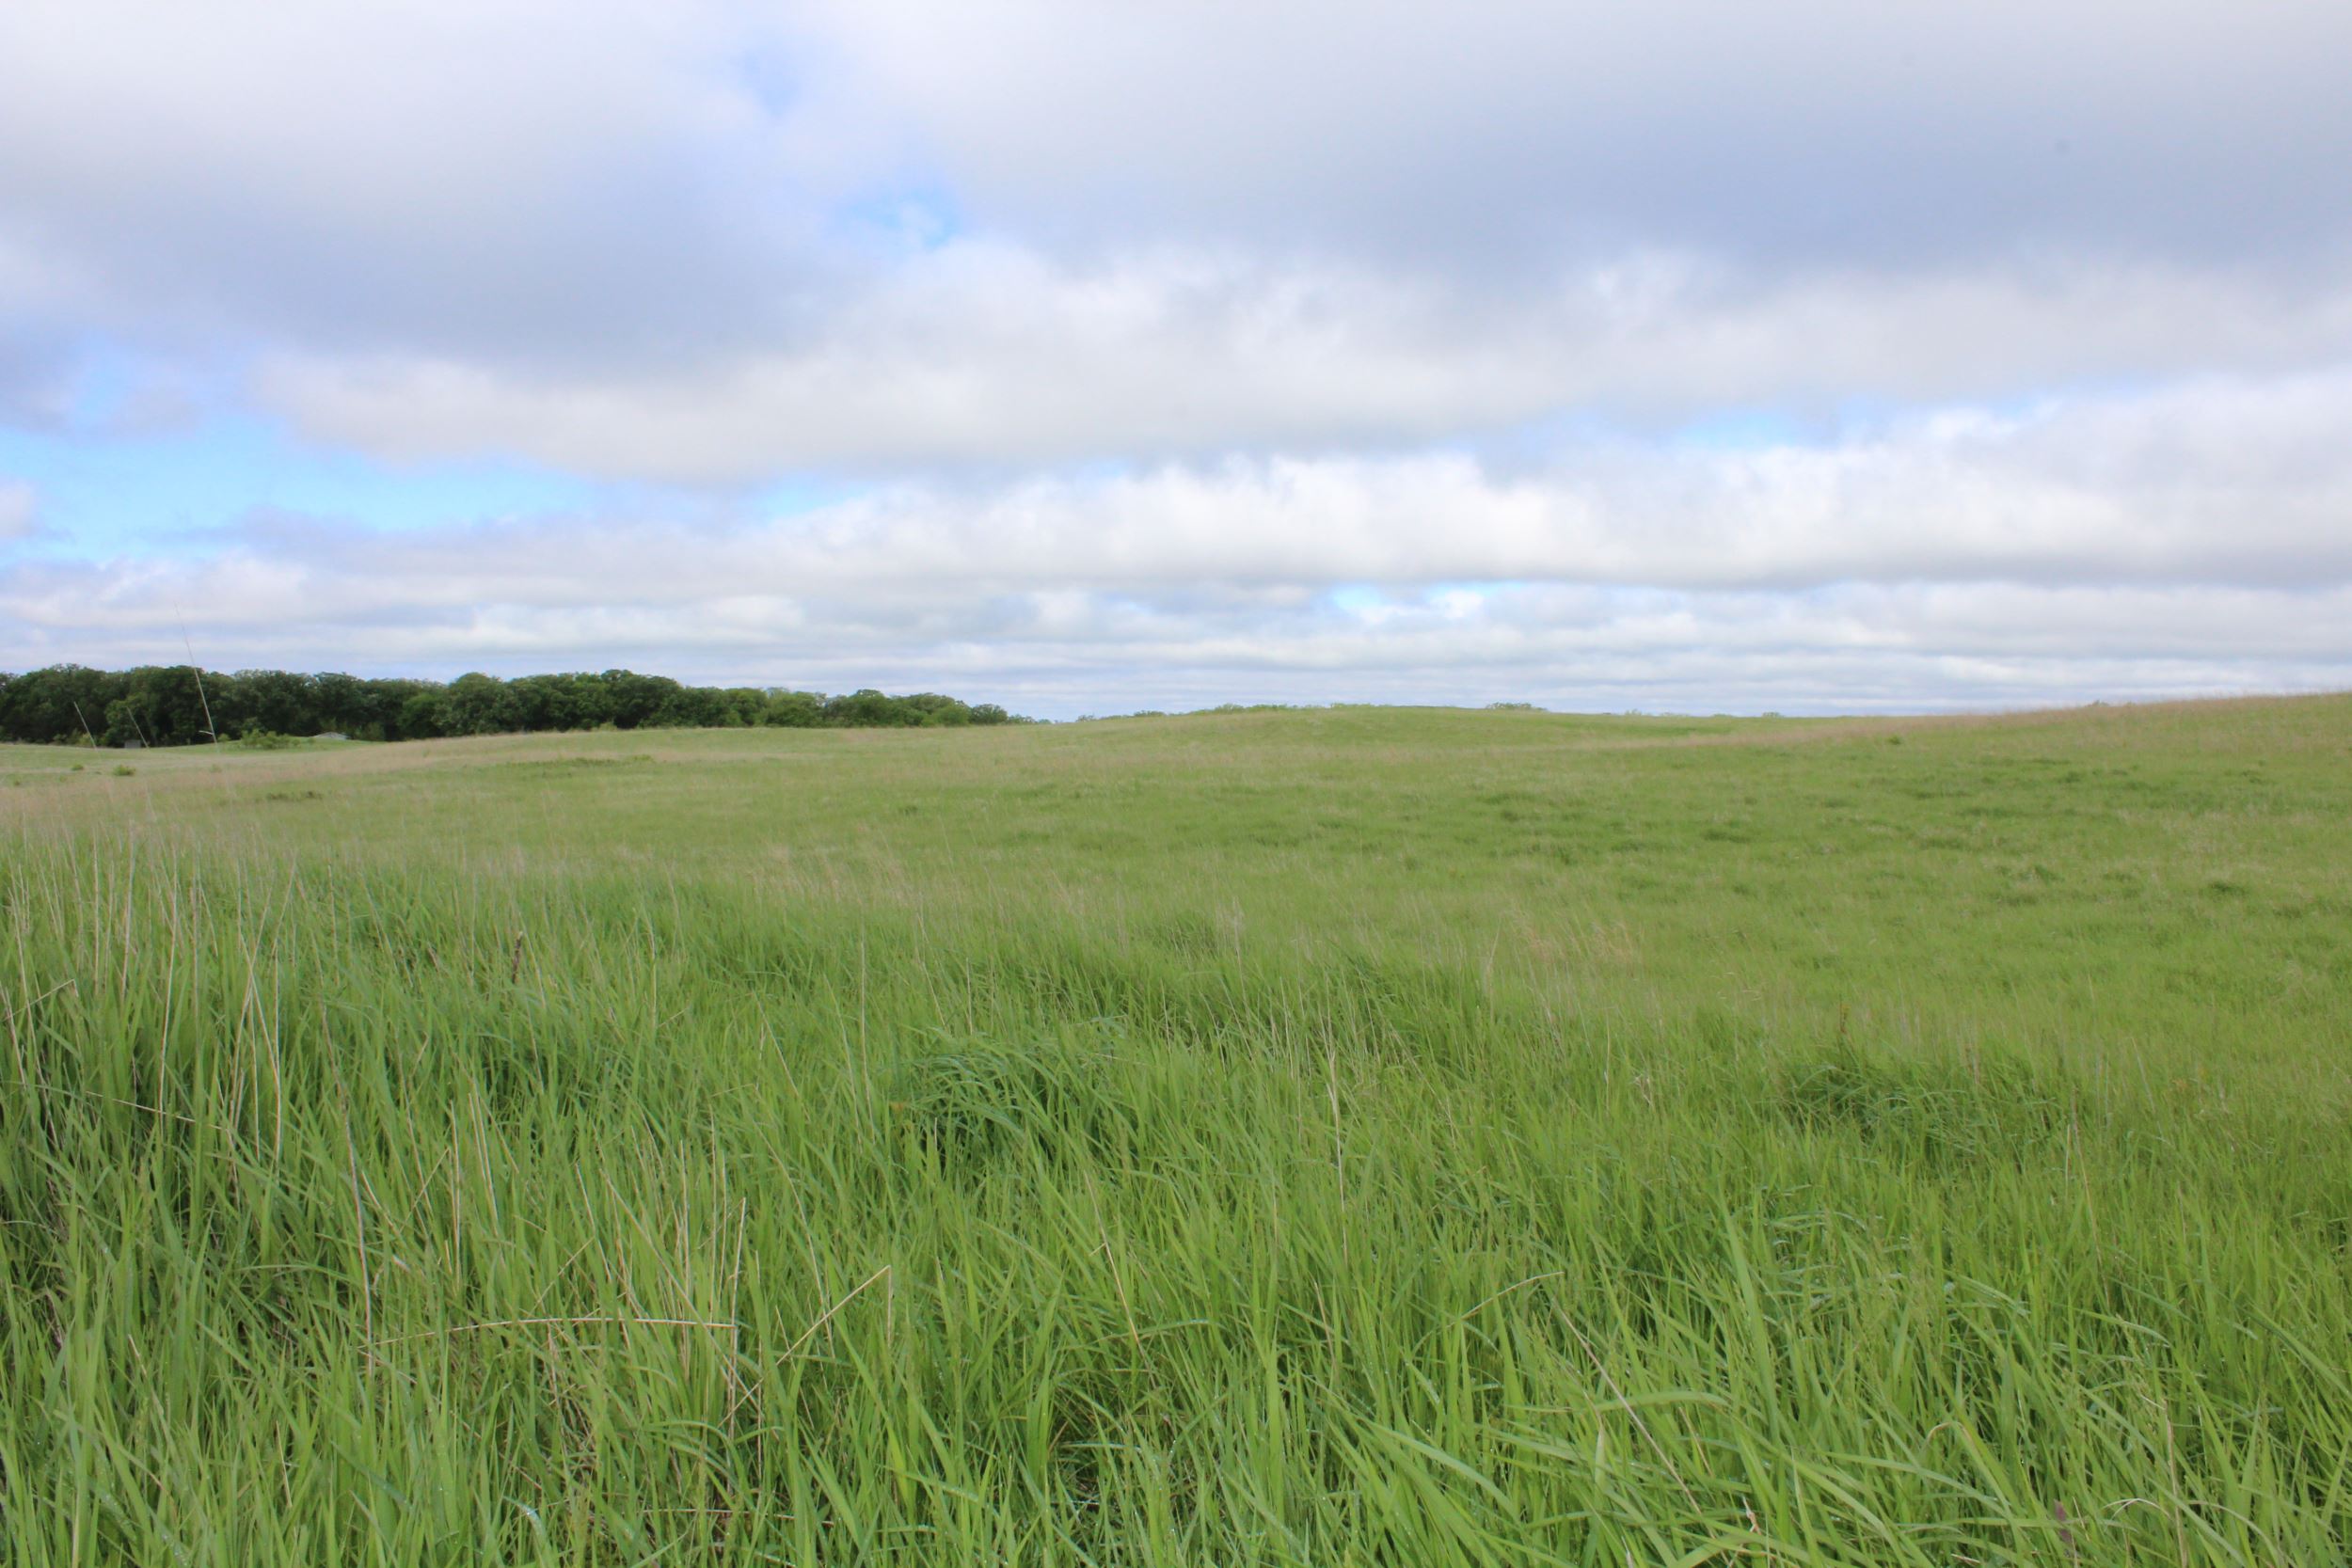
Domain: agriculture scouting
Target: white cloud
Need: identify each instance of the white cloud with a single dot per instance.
(984, 354)
(2185, 538)
(1061, 653)
(2218, 481)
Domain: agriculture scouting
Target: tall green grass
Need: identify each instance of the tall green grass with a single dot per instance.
(1304, 1139)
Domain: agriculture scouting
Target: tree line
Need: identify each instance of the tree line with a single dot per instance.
(178, 704)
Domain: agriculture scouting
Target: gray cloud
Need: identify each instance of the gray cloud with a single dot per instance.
(671, 241)
(1826, 131)
(515, 178)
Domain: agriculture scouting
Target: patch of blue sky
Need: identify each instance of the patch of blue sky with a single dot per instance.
(161, 491)
(800, 495)
(911, 215)
(770, 77)
(1742, 430)
(1486, 589)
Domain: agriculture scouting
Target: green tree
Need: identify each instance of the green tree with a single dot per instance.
(421, 717)
(176, 705)
(479, 705)
(123, 723)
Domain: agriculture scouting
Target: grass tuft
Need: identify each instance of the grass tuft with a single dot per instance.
(1995, 1106)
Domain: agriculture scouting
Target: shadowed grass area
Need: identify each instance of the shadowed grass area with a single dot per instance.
(1351, 1136)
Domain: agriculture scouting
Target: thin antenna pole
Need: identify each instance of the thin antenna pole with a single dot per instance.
(201, 701)
(78, 714)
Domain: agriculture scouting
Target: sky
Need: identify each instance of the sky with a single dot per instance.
(1695, 356)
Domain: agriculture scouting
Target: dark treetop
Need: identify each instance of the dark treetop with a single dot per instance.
(178, 704)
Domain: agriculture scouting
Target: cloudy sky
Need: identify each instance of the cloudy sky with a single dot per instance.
(1697, 354)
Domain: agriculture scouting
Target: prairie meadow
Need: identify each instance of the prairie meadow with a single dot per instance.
(1316, 1137)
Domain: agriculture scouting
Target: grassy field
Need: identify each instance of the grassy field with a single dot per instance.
(1335, 1138)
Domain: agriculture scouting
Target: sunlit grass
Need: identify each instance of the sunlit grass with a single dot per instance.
(1302, 1138)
